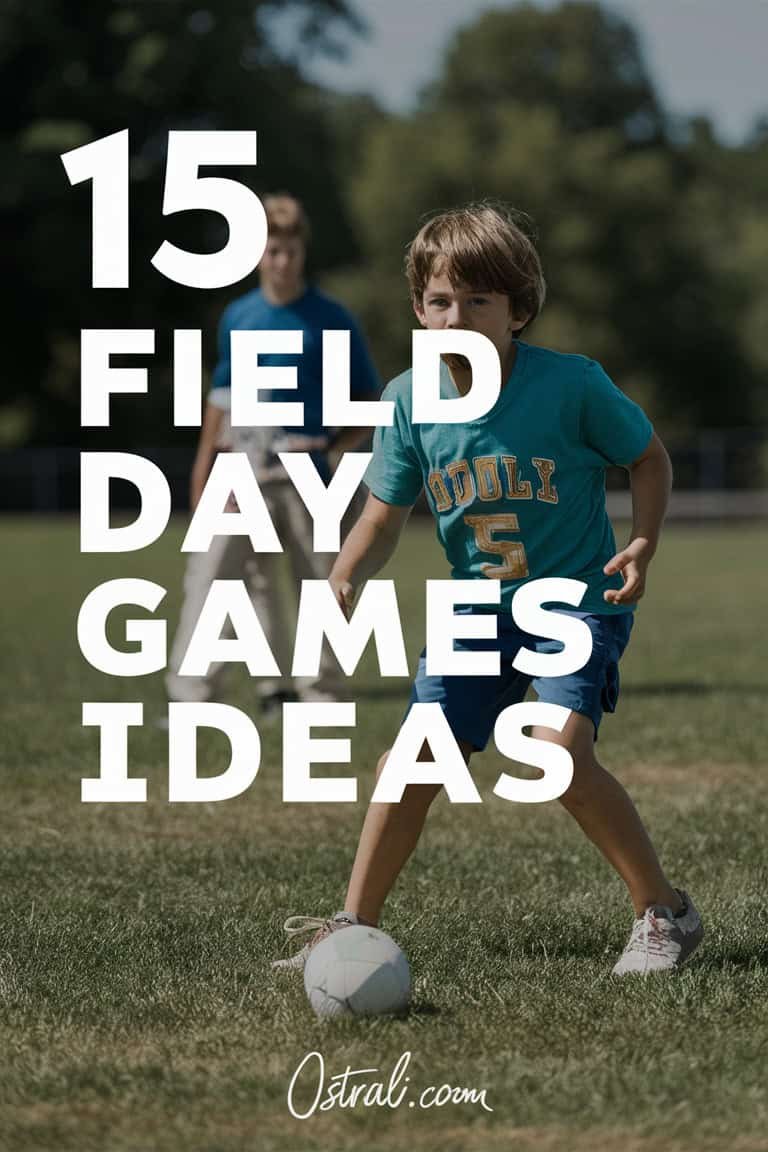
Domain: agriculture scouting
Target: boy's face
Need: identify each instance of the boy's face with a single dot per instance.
(444, 305)
(281, 268)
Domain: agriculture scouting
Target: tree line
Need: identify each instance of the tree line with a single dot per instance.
(653, 233)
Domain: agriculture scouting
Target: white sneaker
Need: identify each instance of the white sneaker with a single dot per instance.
(300, 926)
(661, 940)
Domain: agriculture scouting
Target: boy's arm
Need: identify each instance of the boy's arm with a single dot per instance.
(336, 442)
(366, 386)
(213, 416)
(651, 483)
(350, 439)
(367, 548)
(207, 446)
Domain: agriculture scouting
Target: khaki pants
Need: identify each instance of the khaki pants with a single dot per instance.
(233, 558)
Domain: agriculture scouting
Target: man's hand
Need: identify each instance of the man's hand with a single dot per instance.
(345, 594)
(632, 562)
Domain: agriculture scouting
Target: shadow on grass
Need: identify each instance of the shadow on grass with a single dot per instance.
(425, 1008)
(735, 956)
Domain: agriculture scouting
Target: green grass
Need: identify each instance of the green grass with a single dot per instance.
(136, 1007)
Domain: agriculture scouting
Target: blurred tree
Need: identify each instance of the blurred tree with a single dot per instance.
(654, 235)
(580, 59)
(725, 211)
(553, 111)
(71, 74)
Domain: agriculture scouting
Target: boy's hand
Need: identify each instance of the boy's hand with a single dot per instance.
(632, 562)
(345, 595)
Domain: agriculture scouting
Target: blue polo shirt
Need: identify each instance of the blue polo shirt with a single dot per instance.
(311, 313)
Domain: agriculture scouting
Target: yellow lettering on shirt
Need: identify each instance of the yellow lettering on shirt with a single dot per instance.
(516, 489)
(487, 477)
(440, 493)
(547, 493)
(463, 481)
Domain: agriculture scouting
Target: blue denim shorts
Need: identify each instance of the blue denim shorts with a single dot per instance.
(471, 704)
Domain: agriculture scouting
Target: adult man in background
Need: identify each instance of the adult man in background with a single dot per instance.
(282, 302)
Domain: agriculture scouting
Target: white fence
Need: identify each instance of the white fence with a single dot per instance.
(720, 474)
(717, 504)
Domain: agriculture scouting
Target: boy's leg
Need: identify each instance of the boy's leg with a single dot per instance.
(607, 815)
(389, 835)
(306, 564)
(224, 560)
(264, 576)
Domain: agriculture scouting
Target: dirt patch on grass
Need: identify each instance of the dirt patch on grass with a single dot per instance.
(694, 778)
(56, 816)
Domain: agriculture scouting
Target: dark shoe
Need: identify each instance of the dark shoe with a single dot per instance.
(272, 705)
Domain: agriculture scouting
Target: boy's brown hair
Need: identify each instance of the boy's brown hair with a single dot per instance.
(285, 216)
(486, 246)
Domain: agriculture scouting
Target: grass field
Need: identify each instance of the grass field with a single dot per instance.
(136, 1006)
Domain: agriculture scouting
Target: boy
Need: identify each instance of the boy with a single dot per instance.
(282, 301)
(518, 494)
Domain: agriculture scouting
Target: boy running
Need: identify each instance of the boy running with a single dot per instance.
(518, 495)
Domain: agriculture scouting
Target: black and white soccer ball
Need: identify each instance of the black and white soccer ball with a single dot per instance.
(357, 971)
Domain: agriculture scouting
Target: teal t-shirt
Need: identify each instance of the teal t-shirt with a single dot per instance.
(519, 494)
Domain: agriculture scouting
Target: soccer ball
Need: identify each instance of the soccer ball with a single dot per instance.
(357, 971)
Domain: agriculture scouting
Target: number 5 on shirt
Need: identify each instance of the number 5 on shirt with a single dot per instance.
(514, 564)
